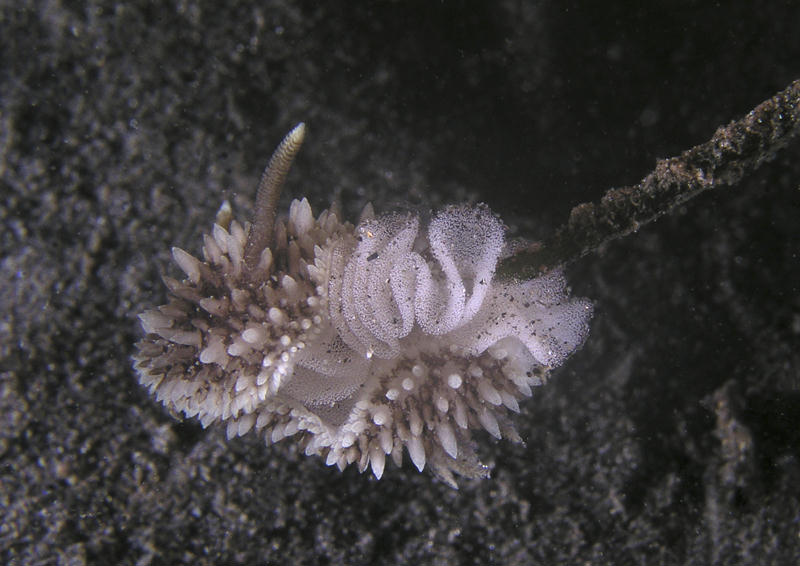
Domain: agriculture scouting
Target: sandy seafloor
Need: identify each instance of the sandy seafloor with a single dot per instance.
(672, 437)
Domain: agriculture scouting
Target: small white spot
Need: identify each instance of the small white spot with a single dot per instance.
(255, 335)
(454, 380)
(408, 384)
(381, 416)
(289, 284)
(276, 315)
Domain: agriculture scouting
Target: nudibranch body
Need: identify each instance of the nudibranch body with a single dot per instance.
(362, 342)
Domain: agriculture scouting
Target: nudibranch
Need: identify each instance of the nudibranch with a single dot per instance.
(360, 341)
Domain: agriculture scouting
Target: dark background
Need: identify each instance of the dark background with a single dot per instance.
(672, 437)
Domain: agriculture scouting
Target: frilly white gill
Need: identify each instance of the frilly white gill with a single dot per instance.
(362, 342)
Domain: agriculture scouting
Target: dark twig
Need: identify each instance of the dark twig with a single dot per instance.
(734, 151)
